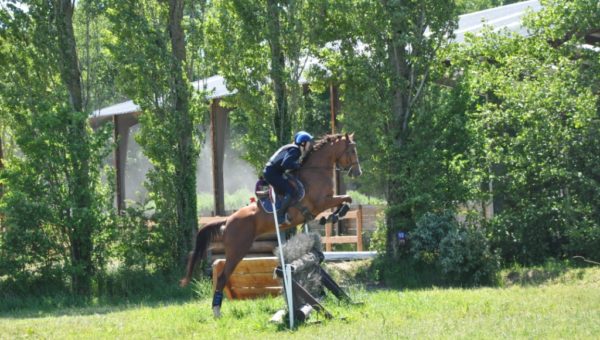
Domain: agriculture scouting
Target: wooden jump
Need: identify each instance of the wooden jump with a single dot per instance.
(252, 278)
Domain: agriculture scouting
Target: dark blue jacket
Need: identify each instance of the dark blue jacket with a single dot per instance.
(286, 158)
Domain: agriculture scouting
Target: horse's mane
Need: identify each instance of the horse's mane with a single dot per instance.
(327, 139)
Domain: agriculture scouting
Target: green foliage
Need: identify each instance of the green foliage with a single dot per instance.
(466, 256)
(533, 117)
(54, 205)
(139, 243)
(154, 71)
(460, 251)
(261, 49)
(384, 63)
(426, 238)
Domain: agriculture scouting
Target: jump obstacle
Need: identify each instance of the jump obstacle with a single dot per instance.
(253, 276)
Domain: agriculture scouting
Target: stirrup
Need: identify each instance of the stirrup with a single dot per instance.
(283, 219)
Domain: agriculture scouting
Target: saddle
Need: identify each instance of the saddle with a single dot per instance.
(265, 200)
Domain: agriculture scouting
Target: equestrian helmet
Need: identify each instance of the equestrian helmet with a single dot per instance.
(302, 137)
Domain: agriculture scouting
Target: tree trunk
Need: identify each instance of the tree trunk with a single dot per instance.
(282, 119)
(398, 216)
(80, 220)
(185, 183)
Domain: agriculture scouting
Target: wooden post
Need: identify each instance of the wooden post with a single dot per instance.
(122, 124)
(121, 142)
(332, 111)
(217, 127)
(327, 237)
(359, 220)
(332, 97)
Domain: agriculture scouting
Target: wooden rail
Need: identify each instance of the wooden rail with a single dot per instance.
(329, 240)
(252, 277)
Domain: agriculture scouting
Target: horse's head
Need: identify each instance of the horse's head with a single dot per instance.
(348, 160)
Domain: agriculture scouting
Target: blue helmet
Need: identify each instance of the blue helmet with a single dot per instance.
(302, 137)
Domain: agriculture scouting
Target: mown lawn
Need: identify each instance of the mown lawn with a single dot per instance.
(567, 307)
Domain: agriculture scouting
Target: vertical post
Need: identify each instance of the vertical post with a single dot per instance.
(332, 96)
(359, 222)
(328, 236)
(287, 275)
(218, 140)
(119, 171)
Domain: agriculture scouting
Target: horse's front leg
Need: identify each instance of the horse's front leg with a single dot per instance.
(334, 201)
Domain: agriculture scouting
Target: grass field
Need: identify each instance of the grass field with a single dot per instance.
(566, 306)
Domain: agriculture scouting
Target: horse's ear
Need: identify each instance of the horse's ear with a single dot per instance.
(352, 136)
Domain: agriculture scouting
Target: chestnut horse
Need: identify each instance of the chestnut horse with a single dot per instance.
(243, 226)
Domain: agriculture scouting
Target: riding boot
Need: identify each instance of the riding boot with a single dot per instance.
(281, 213)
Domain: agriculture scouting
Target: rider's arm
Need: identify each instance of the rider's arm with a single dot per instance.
(291, 161)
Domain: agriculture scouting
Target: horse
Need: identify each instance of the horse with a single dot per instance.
(240, 229)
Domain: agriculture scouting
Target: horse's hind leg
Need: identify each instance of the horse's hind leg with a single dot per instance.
(236, 247)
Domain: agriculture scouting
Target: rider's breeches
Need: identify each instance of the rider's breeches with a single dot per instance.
(275, 178)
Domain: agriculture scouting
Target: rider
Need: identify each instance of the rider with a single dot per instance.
(288, 157)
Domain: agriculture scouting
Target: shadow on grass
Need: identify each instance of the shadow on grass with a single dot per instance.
(550, 271)
(403, 274)
(115, 293)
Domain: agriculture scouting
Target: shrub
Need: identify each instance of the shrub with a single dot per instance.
(430, 231)
(140, 243)
(461, 252)
(465, 256)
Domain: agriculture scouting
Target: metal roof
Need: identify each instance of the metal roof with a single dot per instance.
(503, 17)
(214, 86)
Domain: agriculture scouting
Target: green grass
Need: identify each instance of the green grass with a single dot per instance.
(561, 305)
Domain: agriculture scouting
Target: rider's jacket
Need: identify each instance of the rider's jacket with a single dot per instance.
(286, 158)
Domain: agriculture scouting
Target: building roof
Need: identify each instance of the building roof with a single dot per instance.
(503, 17)
(214, 86)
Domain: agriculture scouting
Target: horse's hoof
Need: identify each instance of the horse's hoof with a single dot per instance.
(343, 210)
(322, 221)
(334, 218)
(217, 312)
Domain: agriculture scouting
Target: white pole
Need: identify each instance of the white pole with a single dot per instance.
(290, 296)
(287, 279)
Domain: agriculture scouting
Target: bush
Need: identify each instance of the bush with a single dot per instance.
(465, 256)
(429, 233)
(461, 252)
(140, 243)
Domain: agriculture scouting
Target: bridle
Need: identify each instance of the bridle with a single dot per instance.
(348, 155)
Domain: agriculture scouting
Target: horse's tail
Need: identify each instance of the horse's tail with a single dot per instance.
(203, 238)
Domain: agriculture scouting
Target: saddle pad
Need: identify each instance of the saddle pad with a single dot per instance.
(267, 206)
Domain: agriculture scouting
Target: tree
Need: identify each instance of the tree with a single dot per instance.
(386, 52)
(53, 200)
(533, 114)
(154, 71)
(261, 48)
